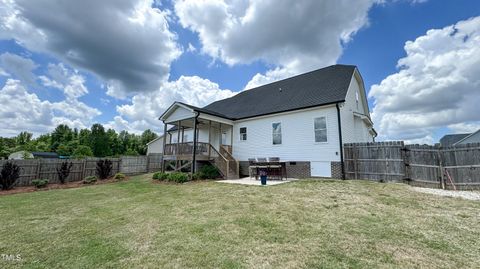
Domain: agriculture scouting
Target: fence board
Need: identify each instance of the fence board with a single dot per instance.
(47, 168)
(393, 161)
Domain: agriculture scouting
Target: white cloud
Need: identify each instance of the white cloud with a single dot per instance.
(19, 67)
(437, 85)
(464, 127)
(24, 111)
(126, 43)
(62, 78)
(191, 48)
(296, 36)
(145, 109)
(269, 77)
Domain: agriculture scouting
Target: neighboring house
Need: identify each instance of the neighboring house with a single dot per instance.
(20, 155)
(471, 138)
(304, 120)
(460, 139)
(45, 155)
(155, 146)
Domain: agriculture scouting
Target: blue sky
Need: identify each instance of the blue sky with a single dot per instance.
(127, 62)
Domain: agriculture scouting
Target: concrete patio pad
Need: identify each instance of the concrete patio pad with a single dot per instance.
(249, 181)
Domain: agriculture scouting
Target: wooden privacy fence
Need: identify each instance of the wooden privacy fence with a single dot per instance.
(452, 167)
(47, 168)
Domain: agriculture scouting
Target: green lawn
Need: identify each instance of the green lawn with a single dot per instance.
(306, 224)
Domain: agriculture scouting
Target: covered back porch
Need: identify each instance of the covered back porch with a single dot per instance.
(192, 136)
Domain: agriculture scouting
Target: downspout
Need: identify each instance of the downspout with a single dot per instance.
(194, 141)
(340, 140)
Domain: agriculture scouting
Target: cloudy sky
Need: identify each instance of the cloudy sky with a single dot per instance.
(123, 62)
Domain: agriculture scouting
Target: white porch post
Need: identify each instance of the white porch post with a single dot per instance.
(164, 142)
(194, 143)
(179, 123)
(209, 137)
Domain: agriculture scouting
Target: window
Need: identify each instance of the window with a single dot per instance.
(224, 138)
(277, 133)
(243, 133)
(320, 126)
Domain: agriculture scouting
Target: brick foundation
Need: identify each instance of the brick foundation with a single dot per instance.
(294, 169)
(298, 169)
(336, 170)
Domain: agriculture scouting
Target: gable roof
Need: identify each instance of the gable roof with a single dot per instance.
(466, 137)
(449, 140)
(324, 86)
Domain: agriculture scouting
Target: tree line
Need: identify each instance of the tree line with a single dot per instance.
(93, 142)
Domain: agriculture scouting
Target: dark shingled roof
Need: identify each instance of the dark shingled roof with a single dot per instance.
(449, 140)
(47, 155)
(320, 87)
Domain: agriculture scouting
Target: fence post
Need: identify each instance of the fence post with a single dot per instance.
(120, 164)
(440, 167)
(355, 164)
(148, 163)
(406, 161)
(84, 169)
(39, 166)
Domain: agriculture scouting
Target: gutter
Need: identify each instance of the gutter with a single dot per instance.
(340, 140)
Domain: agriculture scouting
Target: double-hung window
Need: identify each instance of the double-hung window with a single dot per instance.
(243, 133)
(320, 127)
(277, 133)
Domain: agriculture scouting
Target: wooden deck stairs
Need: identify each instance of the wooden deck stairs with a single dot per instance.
(222, 159)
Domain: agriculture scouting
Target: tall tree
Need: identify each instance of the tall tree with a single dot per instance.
(84, 137)
(99, 141)
(61, 135)
(23, 138)
(146, 137)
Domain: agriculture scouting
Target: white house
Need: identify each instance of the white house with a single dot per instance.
(303, 120)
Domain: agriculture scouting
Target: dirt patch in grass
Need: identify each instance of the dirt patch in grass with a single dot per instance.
(56, 186)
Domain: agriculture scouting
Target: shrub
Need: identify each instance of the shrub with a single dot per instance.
(104, 168)
(119, 176)
(64, 171)
(177, 177)
(9, 175)
(196, 176)
(40, 183)
(208, 172)
(90, 180)
(160, 176)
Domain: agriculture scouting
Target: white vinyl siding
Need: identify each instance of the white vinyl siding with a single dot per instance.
(352, 131)
(277, 133)
(320, 129)
(298, 142)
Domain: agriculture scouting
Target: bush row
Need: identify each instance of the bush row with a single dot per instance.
(10, 173)
(205, 172)
(177, 177)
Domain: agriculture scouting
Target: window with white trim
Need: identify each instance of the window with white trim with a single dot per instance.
(277, 133)
(320, 127)
(243, 133)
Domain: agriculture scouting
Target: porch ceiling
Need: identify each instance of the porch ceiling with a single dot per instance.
(188, 123)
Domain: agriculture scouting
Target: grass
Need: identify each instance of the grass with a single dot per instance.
(307, 224)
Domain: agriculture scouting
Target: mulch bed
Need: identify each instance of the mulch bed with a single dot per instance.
(55, 186)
